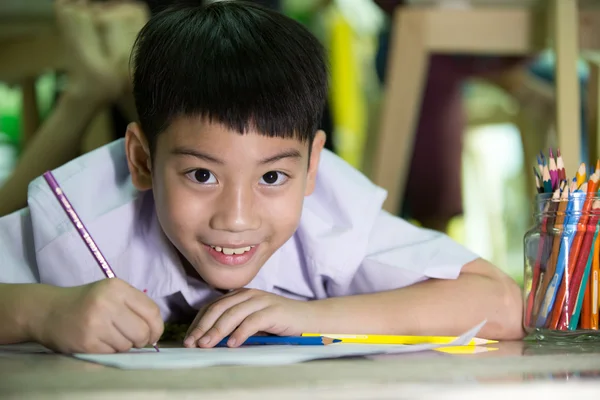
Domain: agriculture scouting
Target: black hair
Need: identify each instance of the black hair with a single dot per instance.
(230, 62)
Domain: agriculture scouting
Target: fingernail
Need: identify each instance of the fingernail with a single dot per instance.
(204, 340)
(189, 341)
(231, 342)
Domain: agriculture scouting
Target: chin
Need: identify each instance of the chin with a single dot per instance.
(231, 280)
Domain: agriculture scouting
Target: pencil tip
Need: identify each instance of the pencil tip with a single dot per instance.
(327, 340)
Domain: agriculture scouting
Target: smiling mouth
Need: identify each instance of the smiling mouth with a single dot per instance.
(233, 256)
(232, 251)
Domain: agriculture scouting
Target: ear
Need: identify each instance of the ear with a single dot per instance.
(138, 157)
(313, 166)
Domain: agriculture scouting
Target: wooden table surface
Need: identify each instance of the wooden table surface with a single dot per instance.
(515, 368)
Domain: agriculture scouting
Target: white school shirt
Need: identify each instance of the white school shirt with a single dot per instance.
(345, 243)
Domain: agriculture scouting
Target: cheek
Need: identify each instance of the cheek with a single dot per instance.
(284, 211)
(177, 207)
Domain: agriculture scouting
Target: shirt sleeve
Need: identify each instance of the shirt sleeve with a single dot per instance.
(17, 251)
(400, 254)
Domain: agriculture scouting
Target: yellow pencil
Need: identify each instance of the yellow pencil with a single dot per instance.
(580, 176)
(465, 349)
(391, 339)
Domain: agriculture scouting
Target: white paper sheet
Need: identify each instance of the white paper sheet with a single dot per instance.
(176, 358)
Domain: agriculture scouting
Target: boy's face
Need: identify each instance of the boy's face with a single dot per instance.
(226, 201)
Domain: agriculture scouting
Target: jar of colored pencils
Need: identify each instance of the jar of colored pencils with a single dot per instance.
(562, 265)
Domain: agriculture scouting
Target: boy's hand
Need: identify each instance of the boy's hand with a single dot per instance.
(245, 312)
(103, 317)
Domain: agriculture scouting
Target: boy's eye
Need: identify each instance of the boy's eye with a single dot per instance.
(203, 176)
(273, 178)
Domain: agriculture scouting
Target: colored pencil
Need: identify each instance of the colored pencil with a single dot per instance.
(592, 187)
(540, 164)
(576, 203)
(560, 166)
(577, 280)
(564, 286)
(556, 244)
(573, 187)
(396, 339)
(283, 340)
(580, 176)
(552, 170)
(594, 281)
(576, 317)
(465, 349)
(80, 227)
(544, 248)
(538, 184)
(586, 313)
(546, 180)
(543, 159)
(586, 308)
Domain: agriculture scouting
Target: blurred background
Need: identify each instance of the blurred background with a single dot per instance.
(478, 104)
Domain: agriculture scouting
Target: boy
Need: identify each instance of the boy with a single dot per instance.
(203, 207)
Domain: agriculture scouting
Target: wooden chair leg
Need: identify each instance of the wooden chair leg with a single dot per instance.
(99, 132)
(30, 114)
(593, 109)
(406, 74)
(568, 108)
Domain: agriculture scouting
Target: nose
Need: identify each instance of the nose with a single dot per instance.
(234, 210)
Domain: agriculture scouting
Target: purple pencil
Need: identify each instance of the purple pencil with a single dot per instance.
(80, 227)
(553, 171)
(72, 214)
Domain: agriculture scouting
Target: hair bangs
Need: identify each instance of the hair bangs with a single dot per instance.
(239, 65)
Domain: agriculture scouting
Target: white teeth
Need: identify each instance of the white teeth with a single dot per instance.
(230, 251)
(241, 251)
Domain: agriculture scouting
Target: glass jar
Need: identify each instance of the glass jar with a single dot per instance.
(562, 266)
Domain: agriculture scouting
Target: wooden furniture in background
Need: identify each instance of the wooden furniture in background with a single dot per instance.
(488, 29)
(30, 45)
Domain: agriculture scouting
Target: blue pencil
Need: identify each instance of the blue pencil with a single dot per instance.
(576, 200)
(283, 340)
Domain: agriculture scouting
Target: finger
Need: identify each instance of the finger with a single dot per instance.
(102, 348)
(230, 320)
(146, 308)
(99, 346)
(215, 308)
(133, 327)
(208, 306)
(262, 320)
(203, 309)
(207, 319)
(116, 340)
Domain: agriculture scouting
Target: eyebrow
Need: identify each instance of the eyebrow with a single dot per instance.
(288, 153)
(183, 151)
